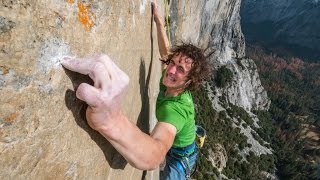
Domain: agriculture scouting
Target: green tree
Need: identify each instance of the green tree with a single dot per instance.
(224, 76)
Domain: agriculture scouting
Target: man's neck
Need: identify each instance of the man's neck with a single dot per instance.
(173, 92)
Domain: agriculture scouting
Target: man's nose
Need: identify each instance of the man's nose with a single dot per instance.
(172, 69)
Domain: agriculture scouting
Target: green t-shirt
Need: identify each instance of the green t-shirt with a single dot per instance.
(178, 111)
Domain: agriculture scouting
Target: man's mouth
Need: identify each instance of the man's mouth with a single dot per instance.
(171, 78)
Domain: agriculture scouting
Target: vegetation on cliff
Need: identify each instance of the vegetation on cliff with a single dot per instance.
(290, 128)
(294, 89)
(221, 130)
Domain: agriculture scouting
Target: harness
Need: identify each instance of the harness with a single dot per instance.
(182, 156)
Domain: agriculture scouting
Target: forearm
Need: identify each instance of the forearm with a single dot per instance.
(139, 149)
(163, 41)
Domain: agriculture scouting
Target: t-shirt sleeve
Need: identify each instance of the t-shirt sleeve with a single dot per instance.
(170, 115)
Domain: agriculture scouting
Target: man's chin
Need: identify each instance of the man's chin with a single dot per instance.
(168, 85)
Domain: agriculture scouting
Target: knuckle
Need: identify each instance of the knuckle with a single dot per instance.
(104, 99)
(103, 57)
(81, 91)
(122, 79)
(98, 67)
(101, 101)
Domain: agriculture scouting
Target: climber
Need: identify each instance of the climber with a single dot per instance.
(172, 139)
(186, 64)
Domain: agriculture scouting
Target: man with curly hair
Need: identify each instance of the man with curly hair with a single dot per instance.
(172, 141)
(184, 67)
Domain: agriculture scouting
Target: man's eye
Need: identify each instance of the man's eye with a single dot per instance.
(169, 62)
(180, 69)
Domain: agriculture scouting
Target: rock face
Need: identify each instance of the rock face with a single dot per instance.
(218, 157)
(43, 131)
(292, 24)
(246, 90)
(213, 25)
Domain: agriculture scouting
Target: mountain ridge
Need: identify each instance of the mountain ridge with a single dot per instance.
(289, 24)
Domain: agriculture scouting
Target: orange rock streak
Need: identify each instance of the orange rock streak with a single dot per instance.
(10, 118)
(70, 1)
(4, 70)
(85, 17)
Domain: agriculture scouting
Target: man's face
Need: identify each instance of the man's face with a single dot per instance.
(177, 71)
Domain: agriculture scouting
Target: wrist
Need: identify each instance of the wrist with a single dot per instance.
(112, 130)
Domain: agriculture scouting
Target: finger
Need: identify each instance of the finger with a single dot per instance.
(117, 77)
(82, 66)
(110, 66)
(89, 94)
(157, 12)
(89, 66)
(155, 7)
(100, 74)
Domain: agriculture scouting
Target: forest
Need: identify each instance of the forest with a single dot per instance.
(290, 128)
(220, 130)
(293, 86)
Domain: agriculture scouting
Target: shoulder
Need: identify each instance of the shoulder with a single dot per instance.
(186, 97)
(179, 104)
(169, 109)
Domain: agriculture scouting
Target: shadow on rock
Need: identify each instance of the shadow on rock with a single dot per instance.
(78, 108)
(143, 118)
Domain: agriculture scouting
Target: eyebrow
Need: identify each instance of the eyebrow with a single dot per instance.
(184, 69)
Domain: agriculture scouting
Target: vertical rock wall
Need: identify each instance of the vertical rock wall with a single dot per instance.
(43, 131)
(212, 24)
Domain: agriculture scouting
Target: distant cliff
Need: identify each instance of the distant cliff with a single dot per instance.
(291, 24)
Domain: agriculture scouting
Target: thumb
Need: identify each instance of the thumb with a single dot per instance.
(89, 94)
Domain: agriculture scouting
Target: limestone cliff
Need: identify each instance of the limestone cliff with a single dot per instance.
(43, 131)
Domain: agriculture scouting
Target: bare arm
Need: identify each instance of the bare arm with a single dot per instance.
(104, 113)
(139, 149)
(163, 42)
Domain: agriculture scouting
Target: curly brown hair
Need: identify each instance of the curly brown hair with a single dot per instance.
(201, 68)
